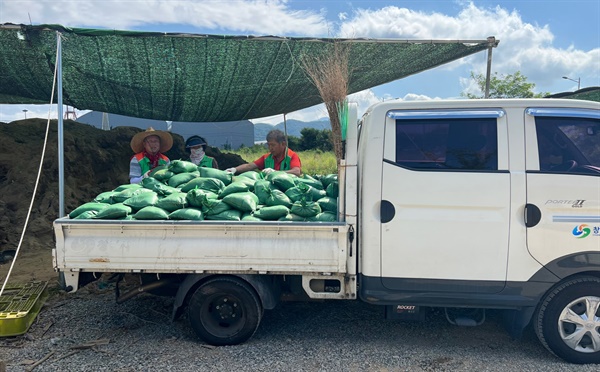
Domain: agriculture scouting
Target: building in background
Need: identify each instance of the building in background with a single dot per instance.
(224, 135)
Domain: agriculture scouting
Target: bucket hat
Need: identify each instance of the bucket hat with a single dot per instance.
(137, 142)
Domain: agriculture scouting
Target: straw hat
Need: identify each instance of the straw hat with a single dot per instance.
(166, 141)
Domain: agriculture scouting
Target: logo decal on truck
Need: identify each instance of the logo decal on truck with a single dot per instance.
(578, 203)
(582, 231)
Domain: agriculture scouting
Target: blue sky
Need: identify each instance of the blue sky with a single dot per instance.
(545, 40)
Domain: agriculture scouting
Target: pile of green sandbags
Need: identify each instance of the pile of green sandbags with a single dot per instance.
(183, 191)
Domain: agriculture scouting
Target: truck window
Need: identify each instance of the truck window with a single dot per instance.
(464, 144)
(568, 145)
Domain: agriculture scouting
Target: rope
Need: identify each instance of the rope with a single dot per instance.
(37, 181)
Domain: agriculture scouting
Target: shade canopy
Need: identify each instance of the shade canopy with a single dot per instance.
(588, 94)
(198, 78)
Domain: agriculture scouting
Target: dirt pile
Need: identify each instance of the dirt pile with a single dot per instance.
(94, 161)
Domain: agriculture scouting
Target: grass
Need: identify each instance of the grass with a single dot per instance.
(313, 161)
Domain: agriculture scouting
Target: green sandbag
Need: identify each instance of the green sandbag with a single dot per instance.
(172, 202)
(129, 217)
(145, 199)
(326, 217)
(332, 190)
(329, 178)
(92, 206)
(113, 212)
(248, 181)
(272, 213)
(295, 218)
(277, 197)
(156, 186)
(210, 184)
(305, 208)
(182, 166)
(87, 215)
(162, 174)
(281, 180)
(225, 177)
(253, 175)
(168, 190)
(182, 178)
(233, 188)
(308, 180)
(228, 215)
(304, 190)
(242, 201)
(196, 196)
(250, 218)
(262, 189)
(328, 204)
(151, 213)
(158, 168)
(128, 186)
(187, 214)
(121, 196)
(213, 206)
(105, 197)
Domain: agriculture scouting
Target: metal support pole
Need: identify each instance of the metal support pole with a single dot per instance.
(492, 41)
(61, 144)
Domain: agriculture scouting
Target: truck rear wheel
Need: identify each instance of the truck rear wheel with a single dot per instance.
(225, 311)
(568, 321)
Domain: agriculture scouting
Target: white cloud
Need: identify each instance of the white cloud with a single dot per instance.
(262, 17)
(523, 46)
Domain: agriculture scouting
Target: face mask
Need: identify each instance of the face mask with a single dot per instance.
(199, 152)
(196, 155)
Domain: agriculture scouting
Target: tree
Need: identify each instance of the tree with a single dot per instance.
(314, 139)
(505, 86)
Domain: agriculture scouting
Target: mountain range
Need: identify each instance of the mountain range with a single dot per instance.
(293, 127)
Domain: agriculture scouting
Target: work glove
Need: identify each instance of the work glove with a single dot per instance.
(266, 171)
(231, 170)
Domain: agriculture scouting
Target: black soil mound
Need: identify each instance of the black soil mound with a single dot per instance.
(94, 161)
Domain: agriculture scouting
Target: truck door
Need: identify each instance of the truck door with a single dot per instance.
(445, 201)
(563, 185)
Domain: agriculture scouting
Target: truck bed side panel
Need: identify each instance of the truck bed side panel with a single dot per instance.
(189, 246)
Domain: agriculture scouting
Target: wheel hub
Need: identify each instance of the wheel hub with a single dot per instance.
(226, 309)
(579, 324)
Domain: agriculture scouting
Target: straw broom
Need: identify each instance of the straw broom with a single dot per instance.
(330, 74)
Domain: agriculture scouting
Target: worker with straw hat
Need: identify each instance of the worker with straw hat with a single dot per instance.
(149, 147)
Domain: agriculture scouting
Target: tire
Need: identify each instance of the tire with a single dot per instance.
(225, 311)
(568, 320)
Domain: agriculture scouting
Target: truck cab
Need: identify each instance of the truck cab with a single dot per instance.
(485, 204)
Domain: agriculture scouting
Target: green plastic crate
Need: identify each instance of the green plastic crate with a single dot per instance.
(19, 306)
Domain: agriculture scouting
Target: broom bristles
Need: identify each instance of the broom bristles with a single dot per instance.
(329, 73)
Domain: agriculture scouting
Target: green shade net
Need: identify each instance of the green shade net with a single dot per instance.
(588, 94)
(197, 78)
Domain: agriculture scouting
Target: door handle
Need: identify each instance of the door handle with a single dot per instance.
(533, 215)
(387, 211)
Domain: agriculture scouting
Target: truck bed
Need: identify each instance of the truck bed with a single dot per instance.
(199, 246)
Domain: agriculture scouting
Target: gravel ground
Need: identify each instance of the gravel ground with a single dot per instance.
(297, 336)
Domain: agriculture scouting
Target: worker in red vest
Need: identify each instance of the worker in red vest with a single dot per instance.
(148, 147)
(279, 157)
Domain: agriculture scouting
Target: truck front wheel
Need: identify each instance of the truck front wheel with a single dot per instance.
(225, 311)
(568, 320)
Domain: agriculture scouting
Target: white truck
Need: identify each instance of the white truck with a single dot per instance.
(465, 205)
